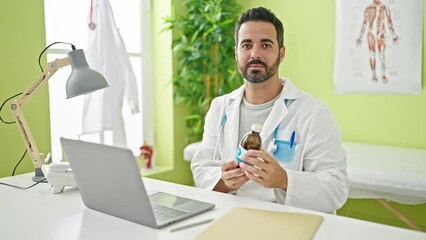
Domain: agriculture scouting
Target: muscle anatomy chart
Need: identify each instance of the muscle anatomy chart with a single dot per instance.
(378, 46)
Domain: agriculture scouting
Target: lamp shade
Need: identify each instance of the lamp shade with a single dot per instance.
(82, 79)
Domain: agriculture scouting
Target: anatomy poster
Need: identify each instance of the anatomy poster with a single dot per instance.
(378, 46)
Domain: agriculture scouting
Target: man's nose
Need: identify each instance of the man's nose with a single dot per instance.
(255, 53)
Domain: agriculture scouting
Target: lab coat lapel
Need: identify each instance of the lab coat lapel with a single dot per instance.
(276, 116)
(280, 110)
(233, 115)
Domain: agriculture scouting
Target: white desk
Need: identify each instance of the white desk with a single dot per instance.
(38, 214)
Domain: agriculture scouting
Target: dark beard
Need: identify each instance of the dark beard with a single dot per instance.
(256, 76)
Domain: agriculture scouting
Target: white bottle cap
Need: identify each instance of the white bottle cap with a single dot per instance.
(256, 127)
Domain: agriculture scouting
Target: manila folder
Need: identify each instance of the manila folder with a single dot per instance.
(248, 223)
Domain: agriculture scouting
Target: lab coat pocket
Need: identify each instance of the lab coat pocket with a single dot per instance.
(285, 151)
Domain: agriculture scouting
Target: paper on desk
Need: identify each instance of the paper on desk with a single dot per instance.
(247, 223)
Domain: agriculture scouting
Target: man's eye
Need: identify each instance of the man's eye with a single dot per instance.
(267, 46)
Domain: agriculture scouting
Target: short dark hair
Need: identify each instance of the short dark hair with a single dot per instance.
(263, 15)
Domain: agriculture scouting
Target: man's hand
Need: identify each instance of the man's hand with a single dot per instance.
(266, 171)
(232, 177)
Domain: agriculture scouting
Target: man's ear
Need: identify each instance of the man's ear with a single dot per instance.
(235, 52)
(282, 53)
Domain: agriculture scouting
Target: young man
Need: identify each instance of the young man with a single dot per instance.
(302, 162)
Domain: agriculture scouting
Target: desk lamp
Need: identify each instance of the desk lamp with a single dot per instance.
(82, 80)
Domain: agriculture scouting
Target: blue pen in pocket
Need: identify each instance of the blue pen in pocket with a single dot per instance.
(293, 135)
(286, 149)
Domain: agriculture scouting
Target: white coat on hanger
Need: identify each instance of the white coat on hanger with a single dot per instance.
(107, 54)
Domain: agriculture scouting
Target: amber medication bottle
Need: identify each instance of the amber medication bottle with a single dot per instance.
(251, 140)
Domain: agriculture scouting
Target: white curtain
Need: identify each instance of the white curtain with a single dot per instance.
(107, 54)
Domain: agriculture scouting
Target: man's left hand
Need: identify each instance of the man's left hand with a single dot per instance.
(265, 170)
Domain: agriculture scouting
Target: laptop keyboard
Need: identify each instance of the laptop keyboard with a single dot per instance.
(165, 213)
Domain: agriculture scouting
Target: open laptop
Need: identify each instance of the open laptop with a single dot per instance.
(109, 181)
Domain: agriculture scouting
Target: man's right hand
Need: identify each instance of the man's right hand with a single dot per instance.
(232, 177)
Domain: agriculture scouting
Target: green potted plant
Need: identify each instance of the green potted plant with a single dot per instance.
(206, 65)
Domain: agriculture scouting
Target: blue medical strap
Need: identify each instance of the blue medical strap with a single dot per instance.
(286, 102)
(222, 122)
(276, 129)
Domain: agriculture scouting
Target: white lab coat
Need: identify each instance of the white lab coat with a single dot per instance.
(107, 54)
(317, 176)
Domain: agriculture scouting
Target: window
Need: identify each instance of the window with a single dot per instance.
(67, 21)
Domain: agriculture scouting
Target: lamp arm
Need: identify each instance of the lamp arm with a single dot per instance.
(17, 104)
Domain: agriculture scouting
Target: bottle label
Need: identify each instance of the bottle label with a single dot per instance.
(240, 152)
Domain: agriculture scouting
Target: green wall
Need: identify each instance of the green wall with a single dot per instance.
(22, 39)
(170, 127)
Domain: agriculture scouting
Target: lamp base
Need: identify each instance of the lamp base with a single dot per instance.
(39, 176)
